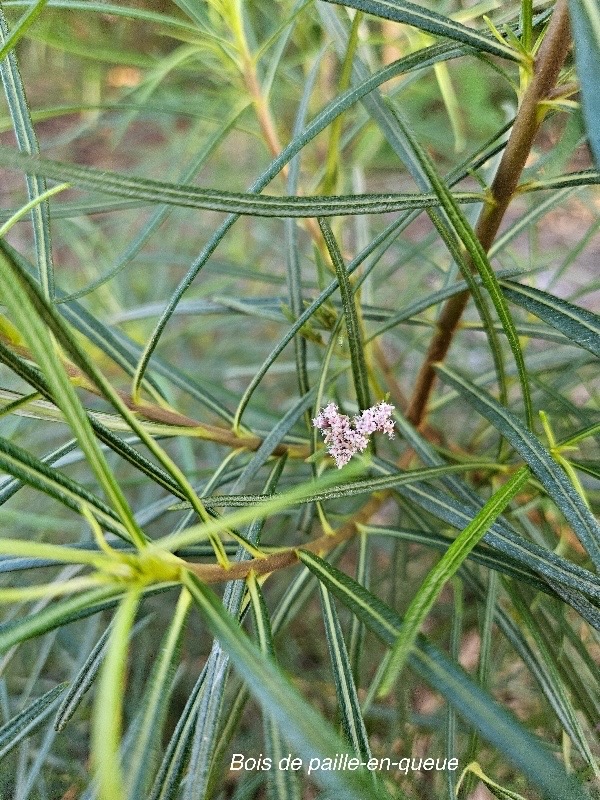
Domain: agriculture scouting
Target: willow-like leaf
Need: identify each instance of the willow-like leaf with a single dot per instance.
(478, 257)
(26, 722)
(436, 24)
(585, 21)
(82, 681)
(200, 738)
(161, 214)
(304, 729)
(28, 143)
(58, 614)
(350, 711)
(190, 196)
(586, 177)
(317, 124)
(21, 28)
(20, 295)
(562, 702)
(446, 567)
(577, 324)
(108, 705)
(281, 784)
(481, 554)
(55, 484)
(154, 704)
(344, 490)
(114, 9)
(357, 354)
(498, 726)
(551, 475)
(39, 335)
(114, 442)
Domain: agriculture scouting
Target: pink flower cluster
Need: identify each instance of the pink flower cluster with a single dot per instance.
(344, 438)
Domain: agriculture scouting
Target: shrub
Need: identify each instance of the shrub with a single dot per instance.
(416, 245)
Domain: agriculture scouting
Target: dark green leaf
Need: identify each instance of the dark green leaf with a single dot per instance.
(550, 474)
(357, 354)
(28, 720)
(476, 707)
(426, 20)
(190, 196)
(585, 21)
(310, 736)
(575, 323)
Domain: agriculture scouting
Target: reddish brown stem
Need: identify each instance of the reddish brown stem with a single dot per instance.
(547, 67)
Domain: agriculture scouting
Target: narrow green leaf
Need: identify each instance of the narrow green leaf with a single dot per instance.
(31, 298)
(585, 21)
(336, 107)
(168, 776)
(108, 705)
(426, 20)
(551, 475)
(305, 730)
(273, 438)
(500, 792)
(154, 704)
(478, 257)
(481, 554)
(114, 442)
(577, 324)
(357, 354)
(22, 27)
(281, 784)
(200, 739)
(498, 726)
(445, 569)
(558, 571)
(293, 269)
(28, 143)
(356, 638)
(422, 304)
(561, 701)
(62, 612)
(586, 177)
(190, 196)
(28, 720)
(345, 689)
(82, 681)
(28, 469)
(161, 214)
(113, 9)
(113, 343)
(265, 505)
(20, 295)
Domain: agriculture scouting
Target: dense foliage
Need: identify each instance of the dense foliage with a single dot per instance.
(240, 238)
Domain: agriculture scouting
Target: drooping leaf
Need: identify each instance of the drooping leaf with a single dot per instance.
(426, 20)
(551, 475)
(311, 737)
(577, 324)
(474, 705)
(446, 567)
(585, 21)
(27, 721)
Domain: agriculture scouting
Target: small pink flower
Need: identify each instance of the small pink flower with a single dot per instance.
(342, 439)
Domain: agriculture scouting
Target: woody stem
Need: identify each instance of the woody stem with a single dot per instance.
(547, 67)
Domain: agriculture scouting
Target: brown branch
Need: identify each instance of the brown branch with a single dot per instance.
(168, 416)
(213, 573)
(547, 67)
